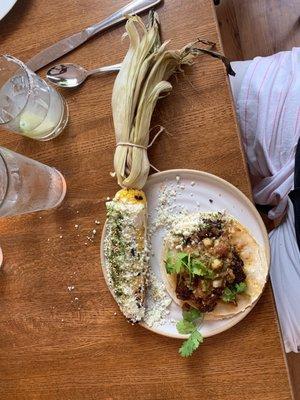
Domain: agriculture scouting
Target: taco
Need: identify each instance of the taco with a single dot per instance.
(212, 263)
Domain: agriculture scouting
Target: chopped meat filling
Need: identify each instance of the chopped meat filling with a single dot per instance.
(182, 290)
(237, 268)
(213, 249)
(212, 230)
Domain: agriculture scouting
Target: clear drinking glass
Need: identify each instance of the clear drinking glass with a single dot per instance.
(28, 105)
(27, 185)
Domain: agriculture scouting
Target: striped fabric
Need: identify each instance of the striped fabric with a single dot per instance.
(268, 109)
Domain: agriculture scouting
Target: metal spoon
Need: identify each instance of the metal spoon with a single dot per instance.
(73, 75)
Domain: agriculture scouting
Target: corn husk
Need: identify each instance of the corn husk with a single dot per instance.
(142, 80)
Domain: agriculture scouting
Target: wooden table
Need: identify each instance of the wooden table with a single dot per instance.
(61, 344)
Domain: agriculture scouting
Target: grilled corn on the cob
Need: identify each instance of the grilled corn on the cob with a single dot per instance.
(126, 251)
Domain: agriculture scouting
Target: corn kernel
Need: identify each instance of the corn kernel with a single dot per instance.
(207, 242)
(216, 263)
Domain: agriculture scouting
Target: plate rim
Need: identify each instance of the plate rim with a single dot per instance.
(266, 245)
(6, 10)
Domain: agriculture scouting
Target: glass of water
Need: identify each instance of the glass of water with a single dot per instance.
(27, 185)
(28, 105)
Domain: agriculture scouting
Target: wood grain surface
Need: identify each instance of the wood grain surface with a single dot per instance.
(258, 27)
(61, 344)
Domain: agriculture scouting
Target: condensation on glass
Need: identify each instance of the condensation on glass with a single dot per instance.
(27, 185)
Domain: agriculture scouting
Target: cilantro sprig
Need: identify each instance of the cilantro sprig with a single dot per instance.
(191, 314)
(191, 344)
(178, 262)
(175, 263)
(229, 294)
(188, 326)
(200, 269)
(185, 327)
(240, 287)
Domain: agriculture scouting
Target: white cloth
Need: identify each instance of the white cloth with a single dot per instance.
(285, 275)
(267, 101)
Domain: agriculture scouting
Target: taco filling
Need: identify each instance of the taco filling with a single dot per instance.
(205, 261)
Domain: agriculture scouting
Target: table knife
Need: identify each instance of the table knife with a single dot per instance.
(66, 45)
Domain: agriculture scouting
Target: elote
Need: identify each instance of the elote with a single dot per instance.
(126, 252)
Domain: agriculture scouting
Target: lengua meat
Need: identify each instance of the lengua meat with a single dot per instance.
(207, 300)
(211, 244)
(237, 265)
(211, 229)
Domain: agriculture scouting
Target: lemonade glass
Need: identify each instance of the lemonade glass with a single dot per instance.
(28, 105)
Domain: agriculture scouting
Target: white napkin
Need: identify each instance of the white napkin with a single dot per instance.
(267, 100)
(285, 275)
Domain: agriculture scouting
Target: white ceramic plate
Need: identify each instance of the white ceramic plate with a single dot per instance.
(6, 6)
(198, 191)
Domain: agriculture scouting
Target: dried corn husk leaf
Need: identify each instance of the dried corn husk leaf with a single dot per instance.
(142, 80)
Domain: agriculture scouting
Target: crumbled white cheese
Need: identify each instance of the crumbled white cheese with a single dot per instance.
(126, 252)
(157, 303)
(165, 209)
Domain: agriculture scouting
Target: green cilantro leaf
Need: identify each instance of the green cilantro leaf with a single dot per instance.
(240, 287)
(191, 315)
(182, 256)
(228, 295)
(170, 266)
(188, 325)
(198, 268)
(185, 327)
(191, 344)
(181, 260)
(175, 262)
